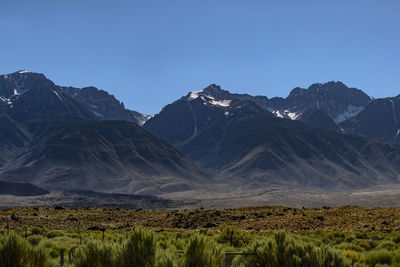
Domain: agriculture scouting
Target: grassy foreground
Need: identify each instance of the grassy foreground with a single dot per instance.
(273, 236)
(143, 247)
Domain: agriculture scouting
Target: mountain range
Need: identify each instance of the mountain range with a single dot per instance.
(55, 140)
(240, 138)
(67, 138)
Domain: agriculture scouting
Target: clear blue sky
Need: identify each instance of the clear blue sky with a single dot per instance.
(148, 53)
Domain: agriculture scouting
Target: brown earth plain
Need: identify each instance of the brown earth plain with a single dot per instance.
(264, 219)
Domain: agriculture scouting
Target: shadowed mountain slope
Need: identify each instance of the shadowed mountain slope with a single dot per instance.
(21, 189)
(379, 120)
(244, 142)
(104, 156)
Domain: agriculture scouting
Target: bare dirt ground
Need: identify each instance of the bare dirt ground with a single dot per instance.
(218, 197)
(382, 196)
(292, 209)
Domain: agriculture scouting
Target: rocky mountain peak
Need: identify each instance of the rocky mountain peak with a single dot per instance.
(211, 92)
(104, 105)
(34, 92)
(297, 91)
(212, 88)
(337, 100)
(328, 86)
(19, 82)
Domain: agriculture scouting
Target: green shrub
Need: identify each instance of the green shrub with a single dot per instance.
(365, 245)
(350, 238)
(54, 233)
(139, 249)
(378, 257)
(16, 252)
(360, 264)
(353, 256)
(167, 257)
(362, 235)
(350, 246)
(38, 231)
(232, 236)
(331, 257)
(34, 240)
(337, 236)
(54, 252)
(389, 245)
(283, 250)
(3, 231)
(396, 238)
(48, 244)
(377, 236)
(96, 254)
(202, 252)
(38, 257)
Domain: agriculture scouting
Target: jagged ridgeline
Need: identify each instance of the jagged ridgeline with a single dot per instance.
(298, 140)
(58, 137)
(69, 138)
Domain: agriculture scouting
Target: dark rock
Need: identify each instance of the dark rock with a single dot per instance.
(209, 225)
(15, 218)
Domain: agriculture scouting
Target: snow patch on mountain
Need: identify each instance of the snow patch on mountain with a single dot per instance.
(141, 120)
(195, 94)
(208, 99)
(350, 112)
(285, 114)
(6, 100)
(292, 115)
(98, 114)
(57, 95)
(278, 114)
(19, 83)
(221, 103)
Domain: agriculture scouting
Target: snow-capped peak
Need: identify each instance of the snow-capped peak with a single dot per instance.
(23, 71)
(195, 94)
(207, 97)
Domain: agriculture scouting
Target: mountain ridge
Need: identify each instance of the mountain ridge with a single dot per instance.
(238, 137)
(84, 138)
(52, 140)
